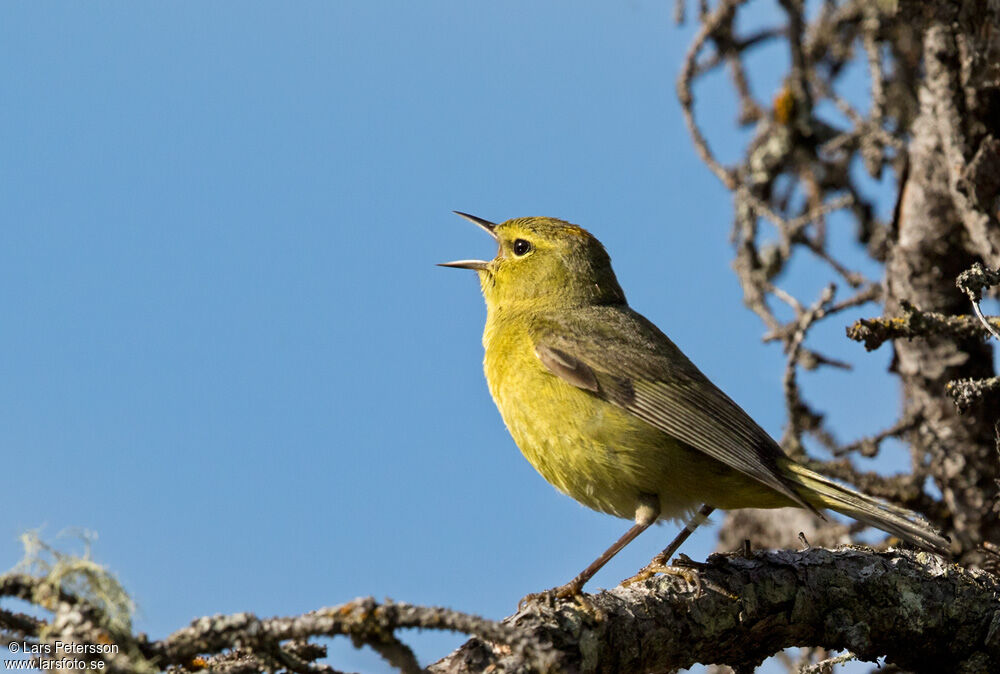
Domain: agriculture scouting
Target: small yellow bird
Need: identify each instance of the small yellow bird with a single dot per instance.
(612, 413)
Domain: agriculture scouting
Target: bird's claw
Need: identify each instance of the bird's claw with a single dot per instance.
(568, 591)
(549, 597)
(683, 567)
(646, 573)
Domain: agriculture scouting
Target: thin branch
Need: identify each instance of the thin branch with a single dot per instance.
(364, 620)
(826, 666)
(800, 417)
(914, 323)
(869, 447)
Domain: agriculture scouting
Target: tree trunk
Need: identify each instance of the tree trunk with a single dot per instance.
(932, 246)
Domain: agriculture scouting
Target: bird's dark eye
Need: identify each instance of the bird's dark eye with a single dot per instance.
(521, 247)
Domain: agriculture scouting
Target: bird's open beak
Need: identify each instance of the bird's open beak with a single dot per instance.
(487, 227)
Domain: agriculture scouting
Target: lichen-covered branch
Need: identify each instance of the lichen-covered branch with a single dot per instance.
(913, 323)
(365, 621)
(242, 641)
(913, 609)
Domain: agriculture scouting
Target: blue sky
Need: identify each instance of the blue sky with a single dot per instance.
(226, 347)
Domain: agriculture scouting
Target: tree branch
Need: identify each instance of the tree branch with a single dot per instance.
(916, 609)
(913, 608)
(916, 323)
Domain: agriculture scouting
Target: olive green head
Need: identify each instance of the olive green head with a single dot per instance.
(544, 260)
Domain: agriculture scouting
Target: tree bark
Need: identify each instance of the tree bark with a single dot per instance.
(932, 246)
(919, 611)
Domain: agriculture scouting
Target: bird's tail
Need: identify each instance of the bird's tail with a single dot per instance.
(905, 524)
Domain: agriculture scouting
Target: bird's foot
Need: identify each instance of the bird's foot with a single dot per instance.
(683, 567)
(570, 590)
(648, 571)
(550, 597)
(689, 576)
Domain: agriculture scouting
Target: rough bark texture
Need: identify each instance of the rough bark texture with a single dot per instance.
(915, 609)
(932, 247)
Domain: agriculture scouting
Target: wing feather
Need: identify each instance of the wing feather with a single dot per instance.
(627, 361)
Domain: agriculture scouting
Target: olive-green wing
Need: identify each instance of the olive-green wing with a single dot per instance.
(619, 356)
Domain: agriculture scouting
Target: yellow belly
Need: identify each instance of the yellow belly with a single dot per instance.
(599, 453)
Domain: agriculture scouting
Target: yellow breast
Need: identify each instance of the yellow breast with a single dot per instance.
(585, 447)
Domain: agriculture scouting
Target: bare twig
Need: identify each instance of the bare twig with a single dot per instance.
(869, 447)
(826, 666)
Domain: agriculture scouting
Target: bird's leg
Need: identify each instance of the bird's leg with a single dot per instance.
(645, 514)
(661, 561)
